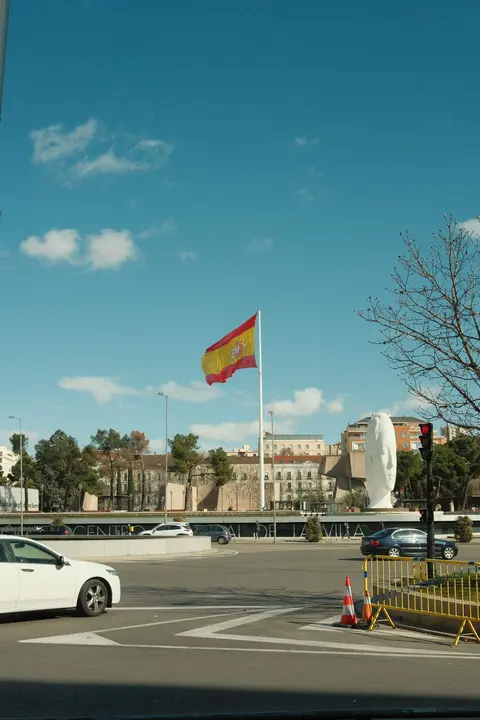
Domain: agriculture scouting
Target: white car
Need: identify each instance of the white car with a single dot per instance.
(35, 577)
(172, 529)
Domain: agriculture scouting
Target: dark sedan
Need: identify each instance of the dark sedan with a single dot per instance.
(408, 542)
(218, 533)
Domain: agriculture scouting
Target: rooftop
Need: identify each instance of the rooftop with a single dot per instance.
(396, 420)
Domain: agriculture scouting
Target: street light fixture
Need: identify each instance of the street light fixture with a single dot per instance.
(270, 412)
(165, 512)
(19, 420)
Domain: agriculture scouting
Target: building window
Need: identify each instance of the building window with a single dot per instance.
(405, 445)
(309, 485)
(139, 476)
(149, 499)
(308, 447)
(289, 486)
(299, 486)
(159, 476)
(289, 498)
(299, 475)
(319, 447)
(266, 476)
(125, 487)
(309, 475)
(299, 447)
(234, 475)
(279, 475)
(404, 435)
(289, 475)
(244, 477)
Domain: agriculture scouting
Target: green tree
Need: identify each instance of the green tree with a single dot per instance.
(137, 446)
(28, 466)
(221, 469)
(63, 471)
(110, 446)
(429, 329)
(356, 498)
(186, 456)
(411, 477)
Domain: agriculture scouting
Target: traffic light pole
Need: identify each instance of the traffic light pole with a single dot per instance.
(430, 516)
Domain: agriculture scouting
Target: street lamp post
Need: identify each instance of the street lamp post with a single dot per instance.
(165, 512)
(19, 420)
(270, 412)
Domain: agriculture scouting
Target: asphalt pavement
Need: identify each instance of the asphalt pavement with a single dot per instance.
(248, 629)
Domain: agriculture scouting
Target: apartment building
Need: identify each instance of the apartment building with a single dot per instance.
(244, 451)
(450, 432)
(298, 445)
(406, 432)
(7, 459)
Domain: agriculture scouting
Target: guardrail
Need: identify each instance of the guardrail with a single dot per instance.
(442, 588)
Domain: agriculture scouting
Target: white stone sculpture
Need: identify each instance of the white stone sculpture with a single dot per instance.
(380, 461)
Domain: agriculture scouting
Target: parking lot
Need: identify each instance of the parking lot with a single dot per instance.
(249, 629)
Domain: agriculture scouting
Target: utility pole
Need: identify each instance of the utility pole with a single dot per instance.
(426, 450)
(4, 7)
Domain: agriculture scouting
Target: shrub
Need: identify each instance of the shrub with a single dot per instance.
(313, 531)
(58, 521)
(463, 529)
(178, 519)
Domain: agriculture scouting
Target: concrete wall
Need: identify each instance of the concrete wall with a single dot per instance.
(117, 548)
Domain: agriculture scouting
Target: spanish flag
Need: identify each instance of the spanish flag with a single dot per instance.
(235, 351)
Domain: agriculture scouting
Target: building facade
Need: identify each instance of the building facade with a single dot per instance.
(406, 432)
(295, 445)
(7, 459)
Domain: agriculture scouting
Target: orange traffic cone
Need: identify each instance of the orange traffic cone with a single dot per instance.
(367, 613)
(349, 618)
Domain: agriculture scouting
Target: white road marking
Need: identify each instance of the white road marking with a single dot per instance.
(360, 652)
(212, 630)
(94, 638)
(74, 639)
(182, 608)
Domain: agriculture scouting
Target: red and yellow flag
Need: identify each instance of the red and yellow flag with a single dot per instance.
(235, 351)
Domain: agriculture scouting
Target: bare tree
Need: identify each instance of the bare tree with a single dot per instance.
(430, 331)
(136, 447)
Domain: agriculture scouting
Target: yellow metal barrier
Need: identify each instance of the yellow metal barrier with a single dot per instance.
(445, 588)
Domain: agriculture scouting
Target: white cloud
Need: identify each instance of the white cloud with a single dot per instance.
(408, 405)
(305, 402)
(165, 229)
(105, 389)
(335, 406)
(305, 141)
(186, 255)
(106, 250)
(108, 163)
(56, 246)
(304, 193)
(110, 249)
(235, 431)
(260, 245)
(471, 226)
(194, 392)
(55, 143)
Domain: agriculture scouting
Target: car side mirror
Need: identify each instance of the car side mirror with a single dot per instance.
(61, 560)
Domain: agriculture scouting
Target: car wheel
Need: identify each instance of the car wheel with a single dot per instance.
(221, 540)
(448, 552)
(92, 598)
(394, 552)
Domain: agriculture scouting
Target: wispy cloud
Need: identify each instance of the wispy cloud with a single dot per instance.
(105, 389)
(258, 245)
(106, 250)
(165, 229)
(54, 143)
(304, 141)
(186, 255)
(304, 193)
(60, 148)
(305, 403)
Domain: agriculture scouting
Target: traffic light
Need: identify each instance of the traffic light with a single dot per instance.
(423, 515)
(426, 440)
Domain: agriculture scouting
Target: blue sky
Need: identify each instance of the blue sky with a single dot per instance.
(167, 168)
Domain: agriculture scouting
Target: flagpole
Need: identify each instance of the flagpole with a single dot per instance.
(260, 418)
